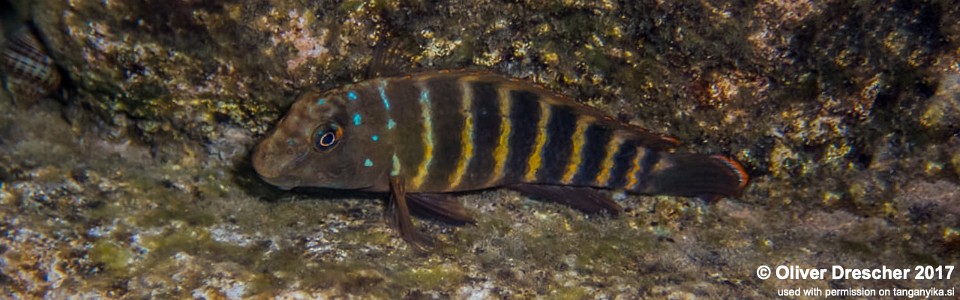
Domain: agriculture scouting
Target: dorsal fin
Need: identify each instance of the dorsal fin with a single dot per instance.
(385, 62)
(625, 130)
(388, 51)
(647, 139)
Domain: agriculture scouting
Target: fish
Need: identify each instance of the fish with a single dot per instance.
(422, 136)
(29, 72)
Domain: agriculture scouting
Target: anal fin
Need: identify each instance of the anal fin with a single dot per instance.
(443, 207)
(585, 199)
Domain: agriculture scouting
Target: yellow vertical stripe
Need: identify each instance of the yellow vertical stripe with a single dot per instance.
(612, 146)
(426, 135)
(503, 145)
(632, 173)
(466, 135)
(533, 163)
(573, 164)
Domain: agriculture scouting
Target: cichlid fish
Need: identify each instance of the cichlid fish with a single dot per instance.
(423, 135)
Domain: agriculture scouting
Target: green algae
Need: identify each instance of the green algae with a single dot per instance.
(171, 212)
(370, 237)
(568, 293)
(114, 257)
(191, 240)
(429, 278)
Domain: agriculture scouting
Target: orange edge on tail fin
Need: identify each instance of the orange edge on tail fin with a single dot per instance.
(742, 176)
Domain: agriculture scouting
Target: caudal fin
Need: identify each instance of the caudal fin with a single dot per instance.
(694, 175)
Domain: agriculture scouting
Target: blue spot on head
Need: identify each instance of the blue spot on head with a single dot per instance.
(352, 95)
(374, 137)
(391, 124)
(367, 163)
(321, 101)
(356, 119)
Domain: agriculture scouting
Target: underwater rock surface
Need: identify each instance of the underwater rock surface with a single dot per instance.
(846, 114)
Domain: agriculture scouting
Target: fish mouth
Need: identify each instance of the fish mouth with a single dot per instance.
(278, 176)
(262, 165)
(286, 186)
(276, 167)
(274, 178)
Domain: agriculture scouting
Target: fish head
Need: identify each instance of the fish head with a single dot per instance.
(319, 143)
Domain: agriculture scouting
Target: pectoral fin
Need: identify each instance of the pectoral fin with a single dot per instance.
(585, 199)
(400, 216)
(443, 207)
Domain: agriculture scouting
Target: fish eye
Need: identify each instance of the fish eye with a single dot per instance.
(327, 136)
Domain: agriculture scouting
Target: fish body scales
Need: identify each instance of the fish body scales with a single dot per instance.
(450, 131)
(469, 131)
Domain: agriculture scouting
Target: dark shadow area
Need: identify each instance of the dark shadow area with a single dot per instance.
(886, 51)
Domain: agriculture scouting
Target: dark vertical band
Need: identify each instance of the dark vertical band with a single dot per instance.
(555, 155)
(596, 138)
(622, 162)
(407, 129)
(447, 119)
(486, 134)
(524, 116)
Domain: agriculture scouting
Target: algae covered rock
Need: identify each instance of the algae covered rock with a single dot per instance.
(138, 184)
